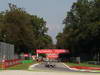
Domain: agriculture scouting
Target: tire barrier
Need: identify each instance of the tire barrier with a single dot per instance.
(10, 63)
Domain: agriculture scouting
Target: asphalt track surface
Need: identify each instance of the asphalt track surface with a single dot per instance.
(58, 67)
(40, 69)
(23, 72)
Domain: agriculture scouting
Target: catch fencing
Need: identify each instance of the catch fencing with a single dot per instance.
(6, 51)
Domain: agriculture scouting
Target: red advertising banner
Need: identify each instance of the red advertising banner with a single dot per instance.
(52, 56)
(9, 63)
(60, 51)
(26, 55)
(53, 51)
(40, 51)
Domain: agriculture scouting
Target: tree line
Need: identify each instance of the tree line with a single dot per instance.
(26, 31)
(81, 33)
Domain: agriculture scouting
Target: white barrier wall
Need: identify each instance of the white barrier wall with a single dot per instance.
(6, 51)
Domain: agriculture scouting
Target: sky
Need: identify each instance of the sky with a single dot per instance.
(53, 11)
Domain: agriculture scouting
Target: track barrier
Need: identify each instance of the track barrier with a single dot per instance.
(10, 63)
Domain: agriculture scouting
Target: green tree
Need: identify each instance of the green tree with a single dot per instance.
(82, 28)
(23, 30)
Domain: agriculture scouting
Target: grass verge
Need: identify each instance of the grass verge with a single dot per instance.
(0, 66)
(82, 64)
(23, 66)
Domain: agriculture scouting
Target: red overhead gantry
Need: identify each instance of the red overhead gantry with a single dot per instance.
(51, 53)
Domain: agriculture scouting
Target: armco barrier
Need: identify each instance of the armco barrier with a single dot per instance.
(9, 63)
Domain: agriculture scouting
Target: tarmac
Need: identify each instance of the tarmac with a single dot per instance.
(23, 72)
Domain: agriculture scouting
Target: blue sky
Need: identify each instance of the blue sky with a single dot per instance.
(53, 11)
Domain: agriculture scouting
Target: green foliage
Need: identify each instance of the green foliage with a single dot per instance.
(81, 33)
(23, 30)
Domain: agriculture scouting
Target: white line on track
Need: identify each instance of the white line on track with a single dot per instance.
(78, 69)
(30, 67)
(70, 68)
